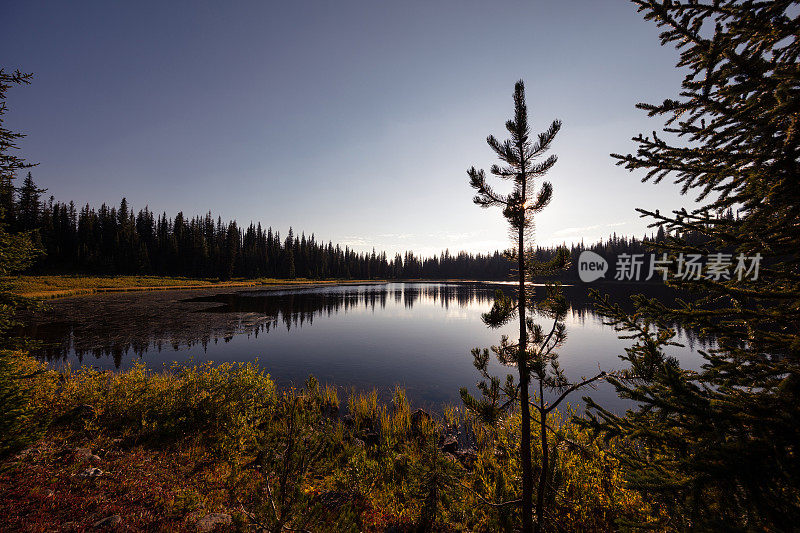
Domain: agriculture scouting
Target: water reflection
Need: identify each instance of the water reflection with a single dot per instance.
(296, 308)
(368, 336)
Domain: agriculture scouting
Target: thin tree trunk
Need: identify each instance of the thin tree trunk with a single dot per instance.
(543, 476)
(524, 378)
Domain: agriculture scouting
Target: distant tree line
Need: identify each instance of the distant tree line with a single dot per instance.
(117, 240)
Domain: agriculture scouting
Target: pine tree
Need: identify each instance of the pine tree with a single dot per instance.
(18, 426)
(534, 353)
(229, 252)
(719, 446)
(29, 205)
(8, 206)
(289, 255)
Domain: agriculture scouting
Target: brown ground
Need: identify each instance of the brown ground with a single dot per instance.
(42, 488)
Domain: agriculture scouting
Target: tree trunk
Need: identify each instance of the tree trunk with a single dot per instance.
(524, 380)
(543, 476)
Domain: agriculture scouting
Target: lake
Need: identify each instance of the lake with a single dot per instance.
(375, 335)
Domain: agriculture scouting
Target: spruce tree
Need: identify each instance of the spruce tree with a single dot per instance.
(18, 426)
(535, 351)
(719, 446)
(29, 205)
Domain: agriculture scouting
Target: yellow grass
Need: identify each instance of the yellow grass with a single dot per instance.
(60, 286)
(179, 443)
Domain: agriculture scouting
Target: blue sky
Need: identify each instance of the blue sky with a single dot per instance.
(355, 121)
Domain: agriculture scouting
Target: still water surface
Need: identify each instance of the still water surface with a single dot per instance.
(417, 335)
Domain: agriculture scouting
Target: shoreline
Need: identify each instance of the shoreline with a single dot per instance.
(51, 287)
(64, 286)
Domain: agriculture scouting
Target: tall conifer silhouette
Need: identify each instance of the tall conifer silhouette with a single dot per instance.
(534, 353)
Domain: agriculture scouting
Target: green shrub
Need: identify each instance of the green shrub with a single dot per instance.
(222, 404)
(20, 422)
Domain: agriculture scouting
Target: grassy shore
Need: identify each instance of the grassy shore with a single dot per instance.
(58, 286)
(168, 450)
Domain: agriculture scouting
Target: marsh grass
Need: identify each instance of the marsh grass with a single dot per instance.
(59, 286)
(225, 438)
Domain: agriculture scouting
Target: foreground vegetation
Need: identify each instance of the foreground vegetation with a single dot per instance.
(167, 450)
